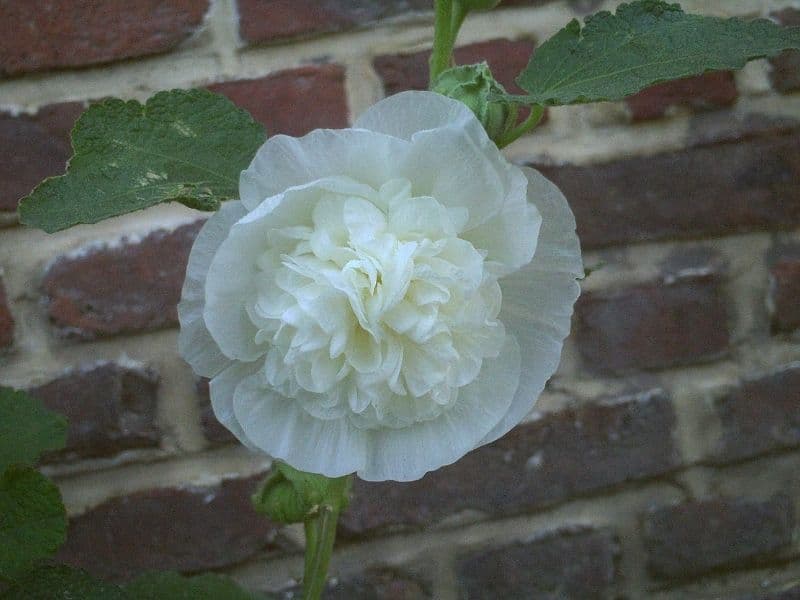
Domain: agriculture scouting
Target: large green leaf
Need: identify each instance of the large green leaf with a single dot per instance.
(27, 428)
(184, 145)
(63, 583)
(33, 522)
(646, 42)
(172, 586)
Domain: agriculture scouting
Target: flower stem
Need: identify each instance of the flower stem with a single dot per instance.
(537, 112)
(320, 535)
(449, 16)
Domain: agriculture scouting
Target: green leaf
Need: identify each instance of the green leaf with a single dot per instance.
(645, 43)
(184, 145)
(27, 428)
(172, 586)
(33, 522)
(63, 583)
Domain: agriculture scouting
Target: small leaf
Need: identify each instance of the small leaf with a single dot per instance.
(63, 583)
(184, 145)
(27, 428)
(172, 586)
(645, 43)
(33, 522)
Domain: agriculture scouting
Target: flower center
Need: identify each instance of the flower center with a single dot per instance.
(377, 310)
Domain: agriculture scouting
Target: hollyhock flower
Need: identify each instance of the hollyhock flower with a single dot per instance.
(383, 299)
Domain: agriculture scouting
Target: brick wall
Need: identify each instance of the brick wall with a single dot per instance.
(664, 457)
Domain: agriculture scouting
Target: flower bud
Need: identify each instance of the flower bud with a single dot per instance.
(474, 86)
(291, 496)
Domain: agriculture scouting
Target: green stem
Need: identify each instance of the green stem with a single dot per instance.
(320, 535)
(537, 112)
(443, 39)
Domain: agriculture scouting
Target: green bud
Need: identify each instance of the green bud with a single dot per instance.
(474, 86)
(291, 496)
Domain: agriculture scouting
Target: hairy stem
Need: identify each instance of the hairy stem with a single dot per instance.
(320, 535)
(443, 38)
(537, 112)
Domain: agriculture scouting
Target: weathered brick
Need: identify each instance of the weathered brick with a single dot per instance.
(507, 58)
(750, 185)
(704, 92)
(62, 33)
(183, 529)
(275, 20)
(568, 564)
(784, 289)
(697, 537)
(376, 584)
(652, 325)
(761, 415)
(129, 287)
(6, 320)
(294, 101)
(559, 456)
(213, 430)
(785, 73)
(110, 408)
(33, 147)
(785, 592)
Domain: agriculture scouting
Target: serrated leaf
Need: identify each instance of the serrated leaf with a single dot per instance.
(63, 583)
(184, 145)
(33, 522)
(644, 43)
(27, 428)
(172, 586)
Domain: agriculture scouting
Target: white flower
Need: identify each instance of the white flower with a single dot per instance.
(371, 304)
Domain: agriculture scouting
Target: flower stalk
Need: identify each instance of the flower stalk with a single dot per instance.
(320, 535)
(291, 496)
(449, 17)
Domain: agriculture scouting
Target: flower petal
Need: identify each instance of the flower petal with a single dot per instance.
(407, 113)
(459, 170)
(284, 162)
(195, 343)
(538, 300)
(407, 454)
(221, 389)
(281, 428)
(510, 236)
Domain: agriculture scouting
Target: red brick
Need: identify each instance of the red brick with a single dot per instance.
(34, 147)
(784, 290)
(785, 73)
(760, 415)
(292, 102)
(698, 537)
(652, 325)
(275, 20)
(506, 58)
(109, 409)
(182, 529)
(36, 36)
(125, 288)
(214, 431)
(6, 320)
(376, 584)
(569, 564)
(750, 185)
(712, 90)
(557, 457)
